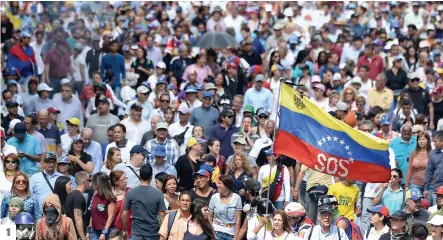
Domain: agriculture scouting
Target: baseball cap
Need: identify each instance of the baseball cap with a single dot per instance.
(100, 85)
(270, 151)
(248, 108)
(207, 94)
(191, 89)
(11, 103)
(247, 41)
(325, 208)
(436, 220)
(161, 125)
(142, 89)
(44, 87)
(356, 80)
(25, 34)
(193, 140)
(159, 151)
(161, 80)
(417, 128)
(320, 86)
(73, 121)
(227, 112)
(77, 139)
(102, 98)
(139, 149)
(232, 65)
(184, 109)
(136, 106)
(276, 67)
(336, 77)
(315, 79)
(64, 159)
(295, 209)
(201, 172)
(65, 81)
(208, 158)
(341, 106)
(210, 86)
(241, 141)
(255, 69)
(20, 130)
(161, 65)
(398, 58)
(12, 81)
(293, 39)
(50, 156)
(399, 215)
(13, 123)
(385, 120)
(413, 194)
(53, 110)
(252, 185)
(379, 209)
(439, 190)
(260, 78)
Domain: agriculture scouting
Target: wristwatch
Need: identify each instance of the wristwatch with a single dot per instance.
(105, 231)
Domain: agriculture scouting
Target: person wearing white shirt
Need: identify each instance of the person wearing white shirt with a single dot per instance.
(6, 148)
(121, 142)
(352, 52)
(182, 126)
(326, 230)
(234, 21)
(37, 46)
(135, 125)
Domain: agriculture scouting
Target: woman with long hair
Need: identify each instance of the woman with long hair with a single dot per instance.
(225, 210)
(113, 158)
(169, 190)
(73, 131)
(214, 150)
(119, 183)
(275, 59)
(197, 227)
(240, 172)
(20, 188)
(437, 102)
(411, 59)
(280, 227)
(322, 60)
(418, 161)
(62, 187)
(201, 67)
(11, 165)
(260, 129)
(80, 160)
(379, 223)
(102, 207)
(301, 61)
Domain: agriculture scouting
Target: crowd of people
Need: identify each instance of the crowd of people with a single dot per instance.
(116, 125)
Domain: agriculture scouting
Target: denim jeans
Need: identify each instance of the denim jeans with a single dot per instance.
(421, 188)
(302, 196)
(95, 234)
(117, 91)
(54, 83)
(133, 237)
(78, 87)
(223, 236)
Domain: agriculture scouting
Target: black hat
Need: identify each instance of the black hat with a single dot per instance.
(261, 207)
(227, 112)
(100, 85)
(20, 130)
(11, 104)
(326, 208)
(399, 215)
(252, 185)
(50, 156)
(102, 98)
(209, 158)
(139, 149)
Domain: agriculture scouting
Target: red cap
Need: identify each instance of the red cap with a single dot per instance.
(232, 65)
(255, 69)
(439, 190)
(2, 133)
(53, 110)
(425, 203)
(437, 90)
(235, 60)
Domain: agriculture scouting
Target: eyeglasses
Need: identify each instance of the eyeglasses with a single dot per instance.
(124, 179)
(263, 117)
(21, 182)
(415, 80)
(11, 162)
(394, 176)
(164, 101)
(229, 116)
(63, 164)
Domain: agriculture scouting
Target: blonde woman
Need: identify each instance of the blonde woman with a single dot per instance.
(112, 159)
(349, 96)
(240, 172)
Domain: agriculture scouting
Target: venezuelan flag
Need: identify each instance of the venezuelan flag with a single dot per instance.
(312, 136)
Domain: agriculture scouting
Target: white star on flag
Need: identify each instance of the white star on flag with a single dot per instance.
(350, 153)
(323, 139)
(319, 143)
(351, 159)
(335, 139)
(329, 138)
(342, 142)
(347, 147)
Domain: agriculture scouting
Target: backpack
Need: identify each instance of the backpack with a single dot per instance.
(352, 231)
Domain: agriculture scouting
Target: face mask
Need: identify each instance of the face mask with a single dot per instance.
(51, 215)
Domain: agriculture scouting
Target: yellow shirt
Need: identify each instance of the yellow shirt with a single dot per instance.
(316, 178)
(347, 198)
(383, 99)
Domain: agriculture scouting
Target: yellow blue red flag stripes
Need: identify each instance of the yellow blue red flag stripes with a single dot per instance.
(312, 136)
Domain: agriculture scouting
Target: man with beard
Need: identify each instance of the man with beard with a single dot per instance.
(12, 107)
(413, 207)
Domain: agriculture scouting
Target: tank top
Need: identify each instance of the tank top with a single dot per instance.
(190, 236)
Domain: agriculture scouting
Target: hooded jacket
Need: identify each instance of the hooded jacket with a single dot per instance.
(62, 229)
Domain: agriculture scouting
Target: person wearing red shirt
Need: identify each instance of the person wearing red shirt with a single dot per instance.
(374, 62)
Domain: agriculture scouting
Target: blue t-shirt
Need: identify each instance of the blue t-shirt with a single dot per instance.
(402, 152)
(29, 146)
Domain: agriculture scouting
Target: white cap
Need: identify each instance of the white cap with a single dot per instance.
(288, 12)
(142, 89)
(64, 81)
(183, 108)
(268, 7)
(336, 77)
(44, 87)
(12, 123)
(342, 65)
(161, 65)
(423, 44)
(356, 79)
(436, 220)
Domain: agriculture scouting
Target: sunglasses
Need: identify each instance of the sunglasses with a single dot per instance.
(20, 181)
(263, 117)
(11, 162)
(229, 116)
(415, 80)
(164, 101)
(63, 164)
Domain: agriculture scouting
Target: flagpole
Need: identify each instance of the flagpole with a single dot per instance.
(273, 141)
